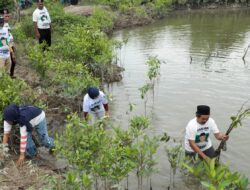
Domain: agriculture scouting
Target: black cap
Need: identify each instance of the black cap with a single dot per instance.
(203, 110)
(93, 92)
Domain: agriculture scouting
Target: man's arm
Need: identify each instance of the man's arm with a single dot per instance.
(221, 137)
(7, 129)
(37, 31)
(106, 107)
(85, 115)
(197, 149)
(23, 144)
(6, 138)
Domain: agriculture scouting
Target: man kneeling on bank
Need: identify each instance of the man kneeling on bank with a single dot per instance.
(28, 118)
(197, 139)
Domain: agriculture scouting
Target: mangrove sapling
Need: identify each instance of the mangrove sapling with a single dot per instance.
(174, 157)
(217, 177)
(146, 148)
(236, 122)
(154, 65)
(144, 90)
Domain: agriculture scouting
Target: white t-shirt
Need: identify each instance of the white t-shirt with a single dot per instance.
(42, 18)
(11, 39)
(94, 105)
(200, 134)
(4, 40)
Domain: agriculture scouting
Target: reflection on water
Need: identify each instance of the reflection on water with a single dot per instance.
(203, 54)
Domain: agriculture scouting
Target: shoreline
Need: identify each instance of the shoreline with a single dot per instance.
(183, 10)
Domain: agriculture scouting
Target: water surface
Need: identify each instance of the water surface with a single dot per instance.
(203, 53)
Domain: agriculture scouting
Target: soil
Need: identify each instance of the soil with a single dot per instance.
(32, 172)
(83, 10)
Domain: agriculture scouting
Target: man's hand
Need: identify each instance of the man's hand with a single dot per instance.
(107, 114)
(223, 137)
(207, 159)
(20, 160)
(38, 35)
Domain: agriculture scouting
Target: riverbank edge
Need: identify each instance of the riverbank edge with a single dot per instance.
(129, 20)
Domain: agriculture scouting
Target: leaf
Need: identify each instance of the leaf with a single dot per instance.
(190, 169)
(205, 184)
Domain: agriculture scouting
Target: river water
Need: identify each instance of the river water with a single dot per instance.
(203, 53)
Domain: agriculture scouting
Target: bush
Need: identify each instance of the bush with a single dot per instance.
(85, 45)
(102, 19)
(107, 156)
(27, 27)
(9, 4)
(15, 91)
(54, 71)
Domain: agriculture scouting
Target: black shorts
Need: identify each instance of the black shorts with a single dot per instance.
(45, 36)
(209, 153)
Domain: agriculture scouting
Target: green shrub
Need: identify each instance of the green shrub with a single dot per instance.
(107, 156)
(18, 33)
(161, 5)
(9, 4)
(27, 27)
(84, 45)
(102, 19)
(15, 91)
(54, 70)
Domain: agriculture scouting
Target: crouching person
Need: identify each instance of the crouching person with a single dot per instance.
(28, 117)
(95, 104)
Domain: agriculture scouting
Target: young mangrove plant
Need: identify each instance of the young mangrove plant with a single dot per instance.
(144, 95)
(153, 72)
(154, 65)
(107, 156)
(217, 177)
(236, 121)
(175, 156)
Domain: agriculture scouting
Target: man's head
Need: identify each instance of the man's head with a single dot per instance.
(6, 15)
(11, 114)
(93, 92)
(40, 4)
(202, 114)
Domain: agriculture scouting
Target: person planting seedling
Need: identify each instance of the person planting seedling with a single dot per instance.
(198, 130)
(28, 118)
(95, 103)
(4, 46)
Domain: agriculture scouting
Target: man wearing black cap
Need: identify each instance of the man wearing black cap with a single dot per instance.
(197, 139)
(95, 103)
(28, 118)
(42, 23)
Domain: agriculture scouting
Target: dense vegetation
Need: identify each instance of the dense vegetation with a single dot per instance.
(7, 4)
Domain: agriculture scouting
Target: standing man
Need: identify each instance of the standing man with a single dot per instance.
(11, 42)
(198, 130)
(42, 23)
(95, 103)
(4, 46)
(28, 118)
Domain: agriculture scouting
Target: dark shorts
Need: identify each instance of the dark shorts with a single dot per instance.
(209, 152)
(45, 36)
